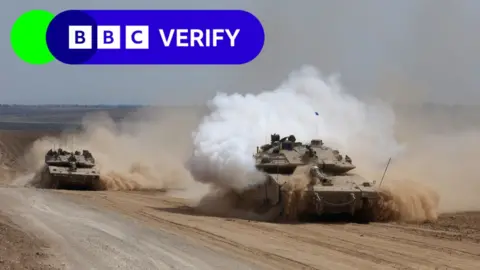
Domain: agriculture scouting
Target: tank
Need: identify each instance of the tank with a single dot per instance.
(330, 188)
(70, 170)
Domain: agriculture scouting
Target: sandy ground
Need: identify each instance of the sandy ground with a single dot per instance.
(82, 236)
(52, 229)
(20, 250)
(145, 230)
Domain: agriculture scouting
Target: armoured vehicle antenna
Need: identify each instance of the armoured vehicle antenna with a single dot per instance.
(384, 172)
(73, 142)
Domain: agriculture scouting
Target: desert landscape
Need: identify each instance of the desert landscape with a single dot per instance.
(180, 181)
(146, 219)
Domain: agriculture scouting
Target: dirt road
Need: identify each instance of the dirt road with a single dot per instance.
(145, 230)
(83, 237)
(49, 229)
(19, 250)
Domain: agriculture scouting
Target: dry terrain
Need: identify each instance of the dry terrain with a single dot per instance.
(20, 250)
(148, 230)
(57, 229)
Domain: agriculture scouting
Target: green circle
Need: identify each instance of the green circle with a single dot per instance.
(28, 37)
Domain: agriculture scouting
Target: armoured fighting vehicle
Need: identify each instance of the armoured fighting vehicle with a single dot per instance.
(330, 187)
(70, 170)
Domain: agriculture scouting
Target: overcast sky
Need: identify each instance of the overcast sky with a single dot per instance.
(415, 49)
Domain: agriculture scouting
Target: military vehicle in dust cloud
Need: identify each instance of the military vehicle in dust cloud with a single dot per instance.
(330, 187)
(70, 170)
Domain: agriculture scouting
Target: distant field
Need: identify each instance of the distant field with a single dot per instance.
(432, 117)
(54, 117)
(54, 113)
(37, 126)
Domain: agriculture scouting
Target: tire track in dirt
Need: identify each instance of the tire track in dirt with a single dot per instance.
(385, 232)
(358, 250)
(374, 242)
(19, 250)
(350, 248)
(377, 230)
(217, 238)
(195, 229)
(403, 254)
(472, 236)
(345, 253)
(287, 246)
(86, 237)
(216, 242)
(282, 246)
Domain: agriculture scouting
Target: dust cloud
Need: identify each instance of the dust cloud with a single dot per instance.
(407, 201)
(441, 149)
(433, 158)
(445, 163)
(307, 105)
(146, 151)
(294, 195)
(436, 174)
(226, 139)
(431, 170)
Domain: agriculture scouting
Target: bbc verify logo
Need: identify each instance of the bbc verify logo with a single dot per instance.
(155, 37)
(108, 37)
(137, 37)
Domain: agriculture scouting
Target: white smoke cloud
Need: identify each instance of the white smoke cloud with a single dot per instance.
(227, 138)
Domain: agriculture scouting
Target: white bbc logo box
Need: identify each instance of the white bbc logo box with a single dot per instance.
(108, 37)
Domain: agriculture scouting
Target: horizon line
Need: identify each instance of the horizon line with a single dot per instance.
(94, 105)
(190, 105)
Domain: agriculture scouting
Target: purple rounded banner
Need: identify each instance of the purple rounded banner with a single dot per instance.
(155, 37)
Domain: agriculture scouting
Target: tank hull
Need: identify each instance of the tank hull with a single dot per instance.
(312, 202)
(309, 179)
(77, 180)
(356, 203)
